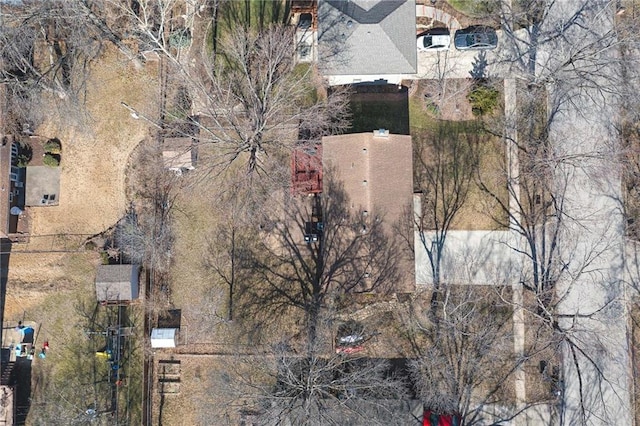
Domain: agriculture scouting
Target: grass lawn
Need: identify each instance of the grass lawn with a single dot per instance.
(257, 14)
(475, 8)
(480, 210)
(47, 287)
(372, 111)
(63, 308)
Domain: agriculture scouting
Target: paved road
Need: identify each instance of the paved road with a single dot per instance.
(577, 67)
(583, 138)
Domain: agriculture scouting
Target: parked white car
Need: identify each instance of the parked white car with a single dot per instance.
(436, 39)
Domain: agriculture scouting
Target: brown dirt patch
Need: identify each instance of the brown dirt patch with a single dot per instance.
(463, 19)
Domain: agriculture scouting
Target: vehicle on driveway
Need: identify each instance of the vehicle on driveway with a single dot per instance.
(477, 37)
(350, 338)
(435, 39)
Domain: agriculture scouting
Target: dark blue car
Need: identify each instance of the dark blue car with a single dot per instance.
(477, 37)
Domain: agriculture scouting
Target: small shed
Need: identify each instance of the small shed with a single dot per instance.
(117, 283)
(163, 337)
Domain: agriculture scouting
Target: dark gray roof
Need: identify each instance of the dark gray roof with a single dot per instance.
(117, 282)
(367, 37)
(115, 273)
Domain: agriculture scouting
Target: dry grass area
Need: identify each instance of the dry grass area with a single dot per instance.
(195, 288)
(96, 147)
(437, 105)
(48, 277)
(203, 396)
(33, 288)
(540, 343)
(482, 212)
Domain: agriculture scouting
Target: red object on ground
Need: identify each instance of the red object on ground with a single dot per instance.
(348, 349)
(45, 346)
(429, 418)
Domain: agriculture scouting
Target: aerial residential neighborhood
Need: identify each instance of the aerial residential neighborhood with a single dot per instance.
(320, 212)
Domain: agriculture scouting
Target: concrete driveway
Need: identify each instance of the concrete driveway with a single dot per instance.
(454, 63)
(592, 312)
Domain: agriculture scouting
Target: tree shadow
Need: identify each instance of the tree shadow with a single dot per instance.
(311, 251)
(22, 371)
(376, 106)
(479, 70)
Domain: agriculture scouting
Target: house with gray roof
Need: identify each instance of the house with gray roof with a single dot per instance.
(366, 40)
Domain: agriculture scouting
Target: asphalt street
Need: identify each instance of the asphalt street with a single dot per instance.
(597, 370)
(577, 62)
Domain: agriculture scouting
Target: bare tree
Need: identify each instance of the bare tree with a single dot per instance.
(343, 253)
(46, 48)
(465, 360)
(251, 98)
(445, 166)
(315, 386)
(567, 57)
(144, 235)
(260, 102)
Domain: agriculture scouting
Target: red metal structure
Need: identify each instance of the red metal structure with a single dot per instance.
(306, 170)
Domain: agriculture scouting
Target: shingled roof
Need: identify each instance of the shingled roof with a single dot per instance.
(376, 173)
(367, 37)
(117, 282)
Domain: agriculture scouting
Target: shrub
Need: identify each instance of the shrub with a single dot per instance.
(51, 160)
(22, 161)
(180, 39)
(483, 99)
(53, 146)
(25, 153)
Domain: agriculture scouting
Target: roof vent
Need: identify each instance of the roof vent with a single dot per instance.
(381, 133)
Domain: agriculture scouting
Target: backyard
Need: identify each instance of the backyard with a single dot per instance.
(52, 275)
